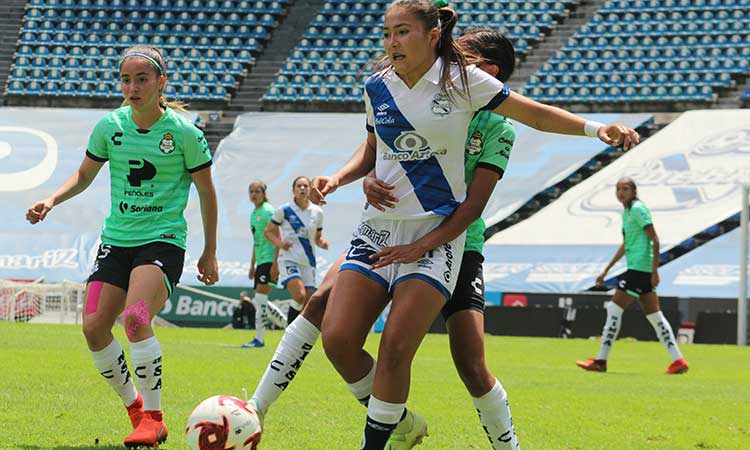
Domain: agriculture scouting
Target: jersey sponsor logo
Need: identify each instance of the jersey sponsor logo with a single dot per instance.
(448, 249)
(412, 146)
(132, 208)
(441, 104)
(203, 143)
(140, 170)
(474, 147)
(409, 141)
(147, 194)
(166, 145)
(115, 138)
(383, 107)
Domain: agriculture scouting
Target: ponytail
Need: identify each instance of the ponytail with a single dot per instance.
(156, 60)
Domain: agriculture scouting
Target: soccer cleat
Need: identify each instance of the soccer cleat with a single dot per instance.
(150, 432)
(408, 433)
(593, 365)
(135, 411)
(255, 343)
(678, 366)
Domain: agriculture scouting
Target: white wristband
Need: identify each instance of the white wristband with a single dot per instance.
(591, 128)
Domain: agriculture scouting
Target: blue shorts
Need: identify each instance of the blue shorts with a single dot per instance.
(439, 267)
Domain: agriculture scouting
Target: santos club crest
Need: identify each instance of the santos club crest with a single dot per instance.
(166, 145)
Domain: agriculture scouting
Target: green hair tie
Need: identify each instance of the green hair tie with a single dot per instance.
(441, 4)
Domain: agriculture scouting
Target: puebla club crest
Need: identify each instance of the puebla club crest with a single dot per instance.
(441, 104)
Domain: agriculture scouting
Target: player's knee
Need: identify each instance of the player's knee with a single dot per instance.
(136, 318)
(338, 346)
(474, 375)
(315, 309)
(395, 354)
(93, 331)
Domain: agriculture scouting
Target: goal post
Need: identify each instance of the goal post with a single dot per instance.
(34, 301)
(742, 298)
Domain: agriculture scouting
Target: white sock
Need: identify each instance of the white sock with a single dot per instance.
(362, 389)
(261, 304)
(611, 329)
(299, 338)
(665, 334)
(112, 365)
(494, 415)
(146, 356)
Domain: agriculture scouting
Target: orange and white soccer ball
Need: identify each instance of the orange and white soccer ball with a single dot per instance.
(223, 422)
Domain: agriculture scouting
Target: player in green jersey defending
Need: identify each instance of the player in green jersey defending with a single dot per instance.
(641, 248)
(154, 155)
(263, 261)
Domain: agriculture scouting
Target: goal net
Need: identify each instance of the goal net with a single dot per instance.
(32, 301)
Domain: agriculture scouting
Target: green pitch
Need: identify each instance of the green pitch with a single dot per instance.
(52, 398)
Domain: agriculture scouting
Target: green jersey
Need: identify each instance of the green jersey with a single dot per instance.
(639, 249)
(263, 250)
(149, 175)
(488, 144)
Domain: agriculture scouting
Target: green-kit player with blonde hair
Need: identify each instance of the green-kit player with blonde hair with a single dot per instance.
(154, 155)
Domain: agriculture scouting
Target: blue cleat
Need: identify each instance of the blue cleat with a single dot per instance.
(255, 343)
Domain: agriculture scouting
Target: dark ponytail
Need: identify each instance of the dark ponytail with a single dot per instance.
(485, 45)
(450, 51)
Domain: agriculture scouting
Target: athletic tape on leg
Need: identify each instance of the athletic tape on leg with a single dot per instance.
(92, 296)
(135, 316)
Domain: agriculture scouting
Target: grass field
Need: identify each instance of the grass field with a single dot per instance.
(52, 398)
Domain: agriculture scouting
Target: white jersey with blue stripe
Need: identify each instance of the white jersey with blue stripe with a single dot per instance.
(299, 227)
(421, 134)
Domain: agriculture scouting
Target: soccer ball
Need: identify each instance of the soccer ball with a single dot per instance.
(223, 422)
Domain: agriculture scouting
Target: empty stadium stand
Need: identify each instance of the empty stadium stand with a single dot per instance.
(70, 48)
(676, 52)
(11, 13)
(343, 40)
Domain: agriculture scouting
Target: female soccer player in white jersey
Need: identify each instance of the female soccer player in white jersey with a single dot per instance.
(263, 262)
(487, 149)
(295, 229)
(154, 154)
(641, 248)
(418, 110)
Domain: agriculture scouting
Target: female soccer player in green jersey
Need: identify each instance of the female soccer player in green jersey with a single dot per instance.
(154, 155)
(263, 260)
(641, 248)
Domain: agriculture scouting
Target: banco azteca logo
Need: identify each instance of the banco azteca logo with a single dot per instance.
(140, 170)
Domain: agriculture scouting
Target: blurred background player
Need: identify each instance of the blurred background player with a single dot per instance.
(154, 153)
(296, 228)
(263, 260)
(641, 249)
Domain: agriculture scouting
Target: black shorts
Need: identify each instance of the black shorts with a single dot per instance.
(113, 264)
(469, 291)
(263, 274)
(635, 283)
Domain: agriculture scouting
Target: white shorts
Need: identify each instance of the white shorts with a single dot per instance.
(289, 270)
(439, 267)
